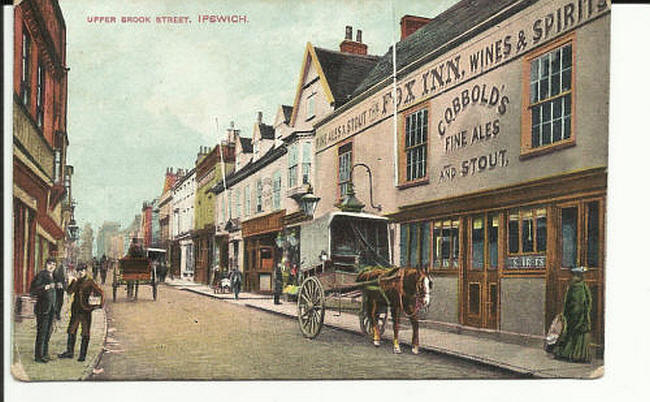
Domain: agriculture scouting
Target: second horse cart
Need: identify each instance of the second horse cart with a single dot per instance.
(133, 271)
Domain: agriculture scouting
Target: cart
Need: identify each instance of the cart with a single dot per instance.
(133, 271)
(334, 249)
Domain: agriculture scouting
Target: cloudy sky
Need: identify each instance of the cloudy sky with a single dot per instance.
(144, 97)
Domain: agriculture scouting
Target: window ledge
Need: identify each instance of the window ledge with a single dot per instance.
(533, 152)
(414, 183)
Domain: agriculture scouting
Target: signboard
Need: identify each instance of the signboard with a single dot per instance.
(526, 262)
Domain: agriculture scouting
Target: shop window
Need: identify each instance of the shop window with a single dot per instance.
(527, 238)
(40, 95)
(293, 165)
(345, 168)
(445, 244)
(549, 101)
(478, 235)
(493, 240)
(415, 244)
(25, 76)
(569, 237)
(306, 162)
(593, 234)
(416, 129)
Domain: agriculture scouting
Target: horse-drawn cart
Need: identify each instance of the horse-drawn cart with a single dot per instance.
(335, 248)
(133, 271)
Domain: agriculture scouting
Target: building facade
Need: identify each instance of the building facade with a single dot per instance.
(182, 225)
(40, 138)
(492, 168)
(104, 238)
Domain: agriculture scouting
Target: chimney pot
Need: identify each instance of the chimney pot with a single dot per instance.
(348, 32)
(359, 36)
(259, 117)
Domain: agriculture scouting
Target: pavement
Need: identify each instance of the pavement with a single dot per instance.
(23, 366)
(526, 361)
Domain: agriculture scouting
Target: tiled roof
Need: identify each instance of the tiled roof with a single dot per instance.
(246, 144)
(286, 111)
(450, 24)
(344, 71)
(267, 132)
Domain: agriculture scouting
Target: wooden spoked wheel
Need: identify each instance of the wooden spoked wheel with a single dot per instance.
(364, 319)
(311, 307)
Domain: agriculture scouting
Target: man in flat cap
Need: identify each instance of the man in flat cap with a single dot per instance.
(43, 288)
(573, 344)
(82, 287)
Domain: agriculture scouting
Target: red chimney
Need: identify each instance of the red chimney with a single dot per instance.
(411, 23)
(350, 46)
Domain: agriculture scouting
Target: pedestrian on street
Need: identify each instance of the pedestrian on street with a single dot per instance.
(235, 282)
(82, 287)
(573, 344)
(43, 288)
(278, 285)
(61, 283)
(103, 269)
(95, 267)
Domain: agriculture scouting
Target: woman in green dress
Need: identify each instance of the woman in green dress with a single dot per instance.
(573, 344)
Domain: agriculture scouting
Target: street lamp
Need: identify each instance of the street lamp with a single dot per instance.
(73, 230)
(308, 202)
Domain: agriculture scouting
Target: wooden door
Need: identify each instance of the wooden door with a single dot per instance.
(580, 242)
(481, 271)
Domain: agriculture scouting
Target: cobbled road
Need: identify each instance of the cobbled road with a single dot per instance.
(185, 336)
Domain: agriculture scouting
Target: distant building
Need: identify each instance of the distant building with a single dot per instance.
(104, 238)
(182, 225)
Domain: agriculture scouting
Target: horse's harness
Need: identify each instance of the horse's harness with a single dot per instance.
(400, 290)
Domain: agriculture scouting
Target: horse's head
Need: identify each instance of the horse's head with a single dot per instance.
(423, 289)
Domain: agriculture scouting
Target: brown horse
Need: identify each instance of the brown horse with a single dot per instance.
(405, 290)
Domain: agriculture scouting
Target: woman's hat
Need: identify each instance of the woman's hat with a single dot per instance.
(579, 270)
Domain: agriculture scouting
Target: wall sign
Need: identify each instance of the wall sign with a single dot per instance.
(526, 262)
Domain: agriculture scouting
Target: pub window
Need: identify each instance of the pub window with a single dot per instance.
(485, 238)
(277, 189)
(306, 162)
(415, 144)
(293, 165)
(415, 244)
(40, 94)
(569, 237)
(445, 244)
(527, 236)
(493, 240)
(259, 196)
(25, 78)
(549, 103)
(345, 168)
(478, 236)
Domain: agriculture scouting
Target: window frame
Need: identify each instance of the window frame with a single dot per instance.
(341, 151)
(306, 162)
(292, 165)
(403, 150)
(40, 94)
(25, 78)
(259, 202)
(533, 209)
(527, 150)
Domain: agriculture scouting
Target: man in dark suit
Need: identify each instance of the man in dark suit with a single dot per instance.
(61, 283)
(43, 288)
(82, 287)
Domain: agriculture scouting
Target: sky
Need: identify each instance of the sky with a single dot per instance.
(145, 96)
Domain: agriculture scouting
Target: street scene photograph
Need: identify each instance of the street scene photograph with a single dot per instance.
(234, 192)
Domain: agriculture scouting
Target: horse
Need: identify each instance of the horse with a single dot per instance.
(406, 290)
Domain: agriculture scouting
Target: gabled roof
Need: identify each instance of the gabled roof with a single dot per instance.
(286, 111)
(267, 132)
(339, 73)
(246, 144)
(344, 71)
(454, 23)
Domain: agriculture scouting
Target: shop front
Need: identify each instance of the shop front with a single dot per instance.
(261, 251)
(502, 258)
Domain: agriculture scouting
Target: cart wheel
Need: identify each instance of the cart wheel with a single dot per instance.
(311, 307)
(364, 318)
(155, 290)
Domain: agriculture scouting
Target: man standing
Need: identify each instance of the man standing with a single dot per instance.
(573, 344)
(103, 269)
(43, 288)
(235, 282)
(61, 283)
(277, 289)
(82, 287)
